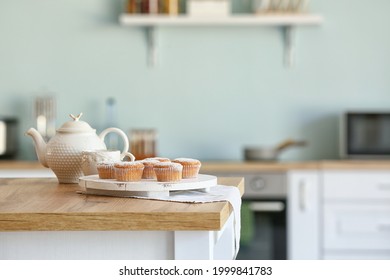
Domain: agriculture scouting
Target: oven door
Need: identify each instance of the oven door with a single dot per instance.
(263, 227)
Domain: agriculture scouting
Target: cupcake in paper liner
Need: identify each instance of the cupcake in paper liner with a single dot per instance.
(168, 171)
(128, 171)
(106, 170)
(148, 172)
(160, 159)
(191, 167)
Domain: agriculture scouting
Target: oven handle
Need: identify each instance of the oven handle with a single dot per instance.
(268, 206)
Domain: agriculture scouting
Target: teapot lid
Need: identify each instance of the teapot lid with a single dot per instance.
(76, 125)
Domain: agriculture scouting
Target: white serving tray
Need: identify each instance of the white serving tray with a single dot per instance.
(146, 187)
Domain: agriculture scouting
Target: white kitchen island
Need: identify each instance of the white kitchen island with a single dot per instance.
(42, 219)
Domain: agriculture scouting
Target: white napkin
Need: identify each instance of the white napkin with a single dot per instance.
(214, 194)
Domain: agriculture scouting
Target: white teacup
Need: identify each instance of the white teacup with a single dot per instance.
(89, 159)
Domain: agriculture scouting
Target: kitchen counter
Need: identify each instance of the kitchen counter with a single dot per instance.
(42, 219)
(20, 164)
(171, 234)
(226, 166)
(241, 166)
(43, 204)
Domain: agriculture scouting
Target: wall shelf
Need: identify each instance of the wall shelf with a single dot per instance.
(287, 22)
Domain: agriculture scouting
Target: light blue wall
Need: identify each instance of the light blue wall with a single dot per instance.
(215, 90)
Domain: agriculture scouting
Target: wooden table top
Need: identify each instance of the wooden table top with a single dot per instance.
(42, 204)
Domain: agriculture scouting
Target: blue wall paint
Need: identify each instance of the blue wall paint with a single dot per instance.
(215, 89)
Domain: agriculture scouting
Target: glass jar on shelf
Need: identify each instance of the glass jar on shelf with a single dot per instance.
(143, 143)
(143, 6)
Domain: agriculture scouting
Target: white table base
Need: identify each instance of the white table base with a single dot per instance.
(116, 245)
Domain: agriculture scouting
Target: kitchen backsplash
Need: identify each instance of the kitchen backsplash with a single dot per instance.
(215, 89)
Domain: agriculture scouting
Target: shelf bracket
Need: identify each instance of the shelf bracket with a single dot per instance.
(152, 42)
(289, 41)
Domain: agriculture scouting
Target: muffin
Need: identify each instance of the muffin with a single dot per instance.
(160, 159)
(106, 170)
(129, 171)
(191, 167)
(148, 172)
(168, 171)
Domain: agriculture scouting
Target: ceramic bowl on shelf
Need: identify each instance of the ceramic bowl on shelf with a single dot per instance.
(279, 6)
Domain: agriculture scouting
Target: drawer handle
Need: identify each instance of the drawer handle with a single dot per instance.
(302, 201)
(384, 186)
(271, 206)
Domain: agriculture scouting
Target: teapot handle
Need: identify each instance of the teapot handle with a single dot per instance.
(127, 154)
(124, 137)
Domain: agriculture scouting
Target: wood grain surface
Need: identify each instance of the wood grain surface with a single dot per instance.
(40, 204)
(243, 166)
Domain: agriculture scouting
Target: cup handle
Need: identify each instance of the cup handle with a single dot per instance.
(130, 155)
(120, 133)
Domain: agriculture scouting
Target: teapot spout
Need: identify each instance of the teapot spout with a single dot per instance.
(40, 145)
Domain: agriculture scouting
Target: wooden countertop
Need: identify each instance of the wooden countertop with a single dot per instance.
(242, 166)
(237, 166)
(19, 164)
(41, 204)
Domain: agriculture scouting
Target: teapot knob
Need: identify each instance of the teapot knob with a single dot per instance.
(76, 118)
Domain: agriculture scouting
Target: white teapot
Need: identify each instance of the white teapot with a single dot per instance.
(63, 151)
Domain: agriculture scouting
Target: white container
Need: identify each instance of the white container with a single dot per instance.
(280, 6)
(90, 159)
(209, 7)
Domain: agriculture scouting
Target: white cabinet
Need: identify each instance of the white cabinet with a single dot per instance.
(334, 213)
(356, 226)
(343, 214)
(303, 215)
(356, 185)
(356, 214)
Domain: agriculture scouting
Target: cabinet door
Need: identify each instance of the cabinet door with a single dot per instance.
(356, 184)
(357, 226)
(303, 215)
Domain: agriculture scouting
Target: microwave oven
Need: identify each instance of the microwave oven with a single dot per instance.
(365, 135)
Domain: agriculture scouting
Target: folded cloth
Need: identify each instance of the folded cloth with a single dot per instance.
(214, 194)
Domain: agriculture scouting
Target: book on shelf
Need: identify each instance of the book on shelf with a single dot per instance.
(170, 7)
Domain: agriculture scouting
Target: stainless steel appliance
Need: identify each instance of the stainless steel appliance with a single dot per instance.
(265, 198)
(8, 138)
(365, 135)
